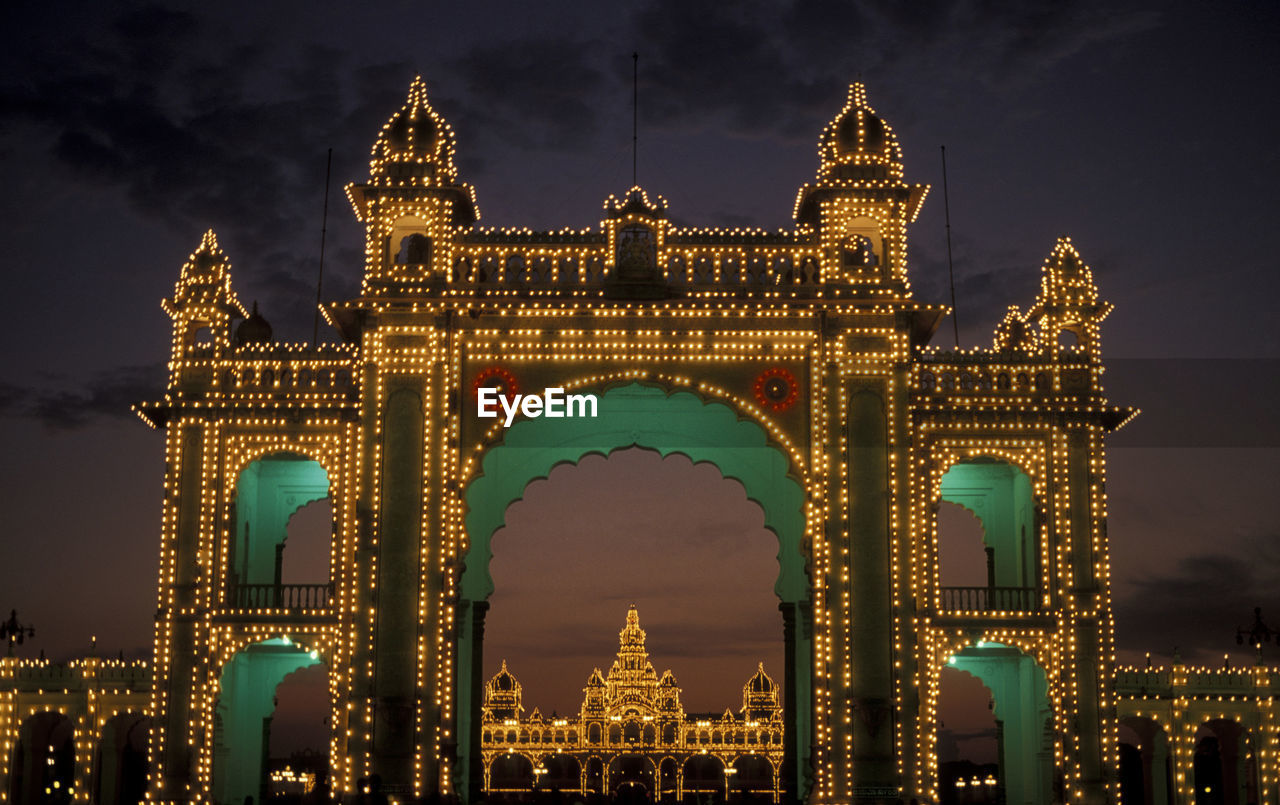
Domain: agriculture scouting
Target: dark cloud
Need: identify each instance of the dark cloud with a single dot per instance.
(185, 130)
(542, 93)
(109, 394)
(1198, 605)
(705, 62)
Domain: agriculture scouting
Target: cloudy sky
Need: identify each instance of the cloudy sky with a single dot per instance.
(1146, 132)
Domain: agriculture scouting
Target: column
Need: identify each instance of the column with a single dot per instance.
(868, 590)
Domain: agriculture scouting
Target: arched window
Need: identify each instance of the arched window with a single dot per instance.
(414, 250)
(988, 553)
(277, 555)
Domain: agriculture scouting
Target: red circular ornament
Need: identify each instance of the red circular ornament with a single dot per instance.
(777, 389)
(495, 377)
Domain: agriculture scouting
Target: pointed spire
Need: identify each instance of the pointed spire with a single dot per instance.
(858, 96)
(858, 138)
(205, 280)
(415, 146)
(208, 243)
(1068, 301)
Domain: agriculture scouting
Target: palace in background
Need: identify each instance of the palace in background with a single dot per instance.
(798, 362)
(632, 732)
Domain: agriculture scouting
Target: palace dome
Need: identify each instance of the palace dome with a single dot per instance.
(761, 683)
(503, 680)
(416, 145)
(253, 330)
(860, 139)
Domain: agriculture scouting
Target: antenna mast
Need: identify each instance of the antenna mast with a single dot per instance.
(635, 111)
(324, 227)
(951, 271)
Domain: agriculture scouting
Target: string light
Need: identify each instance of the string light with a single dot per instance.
(811, 334)
(632, 712)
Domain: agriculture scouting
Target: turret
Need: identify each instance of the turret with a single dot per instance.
(1068, 310)
(413, 202)
(859, 203)
(636, 229)
(502, 695)
(760, 697)
(203, 305)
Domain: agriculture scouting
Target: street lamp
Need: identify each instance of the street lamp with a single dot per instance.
(537, 775)
(14, 631)
(1258, 634)
(728, 772)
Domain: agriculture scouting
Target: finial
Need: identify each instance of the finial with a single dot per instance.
(858, 94)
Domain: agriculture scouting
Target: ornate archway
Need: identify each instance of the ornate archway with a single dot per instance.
(667, 421)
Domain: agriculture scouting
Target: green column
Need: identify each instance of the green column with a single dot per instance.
(870, 636)
(396, 630)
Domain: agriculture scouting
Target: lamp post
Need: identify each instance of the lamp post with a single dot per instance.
(1258, 634)
(728, 772)
(14, 632)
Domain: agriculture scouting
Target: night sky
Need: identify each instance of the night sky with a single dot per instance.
(1146, 133)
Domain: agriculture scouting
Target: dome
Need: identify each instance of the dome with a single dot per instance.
(596, 680)
(503, 681)
(858, 144)
(668, 680)
(415, 146)
(253, 330)
(761, 683)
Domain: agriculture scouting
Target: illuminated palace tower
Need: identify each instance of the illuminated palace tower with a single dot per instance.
(633, 731)
(795, 361)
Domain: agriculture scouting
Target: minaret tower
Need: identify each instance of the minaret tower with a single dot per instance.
(413, 204)
(859, 203)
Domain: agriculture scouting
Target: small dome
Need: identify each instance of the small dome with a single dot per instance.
(761, 683)
(253, 330)
(859, 137)
(668, 680)
(416, 145)
(503, 680)
(596, 680)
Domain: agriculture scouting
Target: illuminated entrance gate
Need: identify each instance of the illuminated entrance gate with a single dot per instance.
(794, 361)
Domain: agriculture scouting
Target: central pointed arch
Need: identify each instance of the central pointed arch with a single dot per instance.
(666, 421)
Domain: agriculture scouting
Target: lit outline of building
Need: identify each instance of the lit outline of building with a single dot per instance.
(631, 712)
(808, 339)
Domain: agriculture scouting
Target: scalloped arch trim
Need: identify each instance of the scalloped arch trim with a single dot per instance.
(639, 416)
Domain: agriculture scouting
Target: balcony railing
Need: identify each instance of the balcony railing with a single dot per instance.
(280, 596)
(990, 599)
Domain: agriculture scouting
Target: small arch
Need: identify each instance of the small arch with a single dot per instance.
(414, 250)
(120, 762)
(510, 772)
(247, 686)
(43, 759)
(269, 491)
(1002, 498)
(858, 254)
(202, 336)
(1018, 688)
